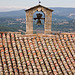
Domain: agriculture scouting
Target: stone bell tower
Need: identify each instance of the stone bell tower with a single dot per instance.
(29, 19)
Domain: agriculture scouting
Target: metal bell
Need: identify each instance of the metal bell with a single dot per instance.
(39, 17)
(39, 22)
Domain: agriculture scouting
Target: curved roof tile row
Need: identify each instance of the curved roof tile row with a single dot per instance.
(50, 55)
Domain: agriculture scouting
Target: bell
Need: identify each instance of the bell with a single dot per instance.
(39, 22)
(39, 17)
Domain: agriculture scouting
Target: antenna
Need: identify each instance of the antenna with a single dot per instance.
(39, 2)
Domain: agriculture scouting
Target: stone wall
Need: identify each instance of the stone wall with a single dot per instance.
(29, 20)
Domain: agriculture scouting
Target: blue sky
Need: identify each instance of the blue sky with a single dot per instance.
(8, 5)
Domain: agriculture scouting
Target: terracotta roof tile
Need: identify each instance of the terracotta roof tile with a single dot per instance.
(52, 55)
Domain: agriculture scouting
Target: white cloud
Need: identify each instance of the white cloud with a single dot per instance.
(12, 8)
(15, 7)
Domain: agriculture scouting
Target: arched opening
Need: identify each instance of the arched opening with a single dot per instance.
(38, 28)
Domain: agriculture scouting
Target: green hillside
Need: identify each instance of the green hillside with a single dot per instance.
(61, 21)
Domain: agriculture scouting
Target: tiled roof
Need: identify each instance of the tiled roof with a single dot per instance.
(39, 6)
(38, 55)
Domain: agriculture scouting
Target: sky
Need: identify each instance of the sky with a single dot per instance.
(9, 5)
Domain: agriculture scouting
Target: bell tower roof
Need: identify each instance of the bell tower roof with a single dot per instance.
(39, 6)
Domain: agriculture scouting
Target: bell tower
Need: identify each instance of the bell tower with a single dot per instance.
(47, 19)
